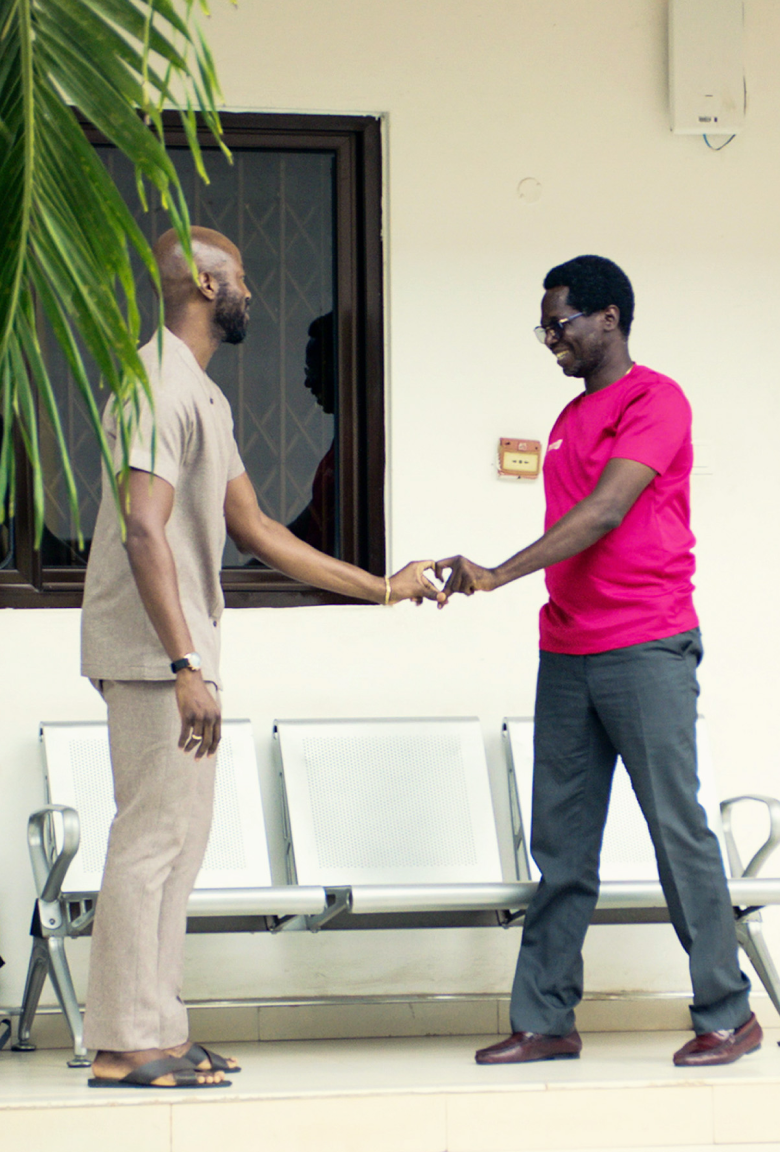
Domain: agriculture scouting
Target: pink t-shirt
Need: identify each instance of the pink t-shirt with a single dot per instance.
(635, 584)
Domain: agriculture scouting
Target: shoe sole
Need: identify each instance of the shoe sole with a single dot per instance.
(536, 1060)
(718, 1063)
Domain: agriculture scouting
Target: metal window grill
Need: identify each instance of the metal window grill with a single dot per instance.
(279, 209)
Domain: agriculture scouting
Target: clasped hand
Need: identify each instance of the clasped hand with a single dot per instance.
(464, 576)
(411, 582)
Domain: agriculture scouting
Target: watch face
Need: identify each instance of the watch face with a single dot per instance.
(192, 661)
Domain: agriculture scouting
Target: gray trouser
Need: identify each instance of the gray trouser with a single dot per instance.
(639, 703)
(158, 838)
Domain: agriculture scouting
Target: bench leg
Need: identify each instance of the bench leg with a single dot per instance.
(751, 937)
(37, 971)
(59, 973)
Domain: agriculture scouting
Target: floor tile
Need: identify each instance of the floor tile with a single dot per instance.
(748, 1112)
(601, 1118)
(376, 1123)
(683, 1148)
(143, 1126)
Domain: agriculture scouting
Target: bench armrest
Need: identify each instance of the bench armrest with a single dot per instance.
(766, 849)
(49, 865)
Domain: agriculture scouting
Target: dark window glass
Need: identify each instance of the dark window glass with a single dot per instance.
(301, 201)
(6, 546)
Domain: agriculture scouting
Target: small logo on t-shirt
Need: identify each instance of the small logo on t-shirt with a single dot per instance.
(555, 444)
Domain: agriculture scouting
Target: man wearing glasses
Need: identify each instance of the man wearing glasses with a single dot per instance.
(620, 645)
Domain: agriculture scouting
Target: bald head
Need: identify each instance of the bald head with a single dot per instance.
(210, 308)
(212, 252)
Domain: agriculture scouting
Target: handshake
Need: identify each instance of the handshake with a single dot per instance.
(412, 583)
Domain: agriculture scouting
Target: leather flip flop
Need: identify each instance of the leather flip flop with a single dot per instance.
(197, 1054)
(144, 1076)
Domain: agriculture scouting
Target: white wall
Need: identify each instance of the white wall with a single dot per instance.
(476, 96)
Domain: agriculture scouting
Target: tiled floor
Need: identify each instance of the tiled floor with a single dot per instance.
(407, 1095)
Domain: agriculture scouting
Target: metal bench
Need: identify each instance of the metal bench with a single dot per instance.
(388, 823)
(379, 812)
(68, 838)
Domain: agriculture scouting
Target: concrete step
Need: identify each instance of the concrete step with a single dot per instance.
(422, 1094)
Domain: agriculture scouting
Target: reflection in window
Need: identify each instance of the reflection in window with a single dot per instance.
(316, 524)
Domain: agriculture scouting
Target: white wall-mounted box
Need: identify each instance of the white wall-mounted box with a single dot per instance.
(706, 70)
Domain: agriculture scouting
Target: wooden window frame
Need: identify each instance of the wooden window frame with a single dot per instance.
(356, 144)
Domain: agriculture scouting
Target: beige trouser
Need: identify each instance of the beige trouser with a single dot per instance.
(158, 838)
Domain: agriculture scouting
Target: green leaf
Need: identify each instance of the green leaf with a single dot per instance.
(7, 460)
(68, 235)
(24, 410)
(45, 393)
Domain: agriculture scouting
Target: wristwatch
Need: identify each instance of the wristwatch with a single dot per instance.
(192, 661)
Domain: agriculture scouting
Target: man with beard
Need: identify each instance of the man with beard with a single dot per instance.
(620, 645)
(150, 644)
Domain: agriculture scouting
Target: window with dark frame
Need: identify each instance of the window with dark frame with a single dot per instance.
(302, 201)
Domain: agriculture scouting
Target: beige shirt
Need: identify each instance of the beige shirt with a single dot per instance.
(195, 451)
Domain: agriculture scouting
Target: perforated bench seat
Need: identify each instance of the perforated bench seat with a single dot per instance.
(388, 802)
(395, 816)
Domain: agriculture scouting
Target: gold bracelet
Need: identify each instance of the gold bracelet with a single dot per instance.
(387, 592)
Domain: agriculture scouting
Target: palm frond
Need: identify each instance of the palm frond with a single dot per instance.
(68, 235)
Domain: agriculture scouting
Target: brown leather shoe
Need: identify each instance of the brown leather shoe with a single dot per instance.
(522, 1047)
(723, 1047)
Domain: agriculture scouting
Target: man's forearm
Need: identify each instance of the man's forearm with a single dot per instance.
(280, 549)
(154, 571)
(257, 534)
(577, 530)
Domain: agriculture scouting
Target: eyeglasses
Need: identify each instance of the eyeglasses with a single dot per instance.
(554, 328)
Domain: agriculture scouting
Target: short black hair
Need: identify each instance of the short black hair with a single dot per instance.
(594, 283)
